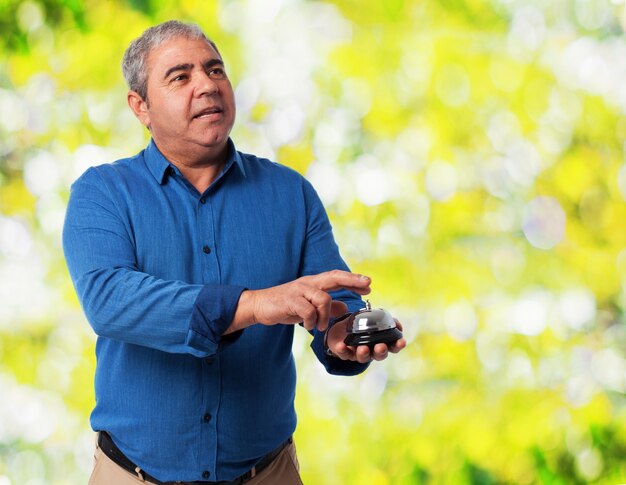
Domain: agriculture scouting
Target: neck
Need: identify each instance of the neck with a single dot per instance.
(200, 176)
(200, 169)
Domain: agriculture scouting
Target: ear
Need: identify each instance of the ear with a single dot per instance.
(139, 107)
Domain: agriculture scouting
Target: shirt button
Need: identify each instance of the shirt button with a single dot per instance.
(209, 360)
(206, 249)
(207, 417)
(203, 200)
(206, 474)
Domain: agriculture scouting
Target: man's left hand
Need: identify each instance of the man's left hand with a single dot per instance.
(362, 353)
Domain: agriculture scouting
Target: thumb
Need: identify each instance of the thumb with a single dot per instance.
(338, 308)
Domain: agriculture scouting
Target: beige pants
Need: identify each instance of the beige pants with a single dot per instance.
(284, 470)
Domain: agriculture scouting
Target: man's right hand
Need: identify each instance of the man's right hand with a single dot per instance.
(303, 300)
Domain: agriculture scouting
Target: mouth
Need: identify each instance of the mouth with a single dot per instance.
(208, 112)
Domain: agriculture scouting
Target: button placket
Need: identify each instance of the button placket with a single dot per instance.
(207, 421)
(206, 239)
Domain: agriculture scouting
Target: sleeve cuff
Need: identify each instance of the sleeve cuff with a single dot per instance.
(334, 365)
(213, 312)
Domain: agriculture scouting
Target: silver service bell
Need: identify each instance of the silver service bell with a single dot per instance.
(371, 326)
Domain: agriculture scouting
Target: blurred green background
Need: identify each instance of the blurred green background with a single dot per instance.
(471, 156)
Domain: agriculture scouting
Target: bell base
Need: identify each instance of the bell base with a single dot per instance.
(372, 338)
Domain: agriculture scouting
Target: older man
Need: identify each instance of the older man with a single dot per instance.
(192, 262)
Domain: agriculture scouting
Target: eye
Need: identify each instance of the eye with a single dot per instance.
(180, 77)
(217, 73)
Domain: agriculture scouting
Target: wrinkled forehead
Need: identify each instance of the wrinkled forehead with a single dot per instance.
(177, 51)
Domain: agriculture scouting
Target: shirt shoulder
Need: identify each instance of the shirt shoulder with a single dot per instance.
(263, 167)
(262, 172)
(111, 174)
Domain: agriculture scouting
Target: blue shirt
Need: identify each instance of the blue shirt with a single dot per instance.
(158, 269)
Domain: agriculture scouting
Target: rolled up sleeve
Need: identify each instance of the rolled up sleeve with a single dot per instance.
(123, 303)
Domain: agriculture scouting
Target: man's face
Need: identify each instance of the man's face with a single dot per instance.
(190, 105)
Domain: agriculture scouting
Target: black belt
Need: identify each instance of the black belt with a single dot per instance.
(111, 450)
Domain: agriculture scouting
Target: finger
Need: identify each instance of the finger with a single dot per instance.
(342, 351)
(337, 279)
(397, 346)
(398, 324)
(322, 303)
(380, 352)
(306, 312)
(338, 308)
(363, 354)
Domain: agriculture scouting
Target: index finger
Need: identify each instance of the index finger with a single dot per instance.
(337, 279)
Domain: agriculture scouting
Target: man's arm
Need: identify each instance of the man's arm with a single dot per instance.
(321, 253)
(304, 300)
(123, 303)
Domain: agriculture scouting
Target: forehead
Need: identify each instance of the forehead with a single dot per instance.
(179, 50)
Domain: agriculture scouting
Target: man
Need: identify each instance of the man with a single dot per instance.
(192, 262)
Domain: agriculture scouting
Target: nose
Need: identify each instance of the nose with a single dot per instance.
(204, 85)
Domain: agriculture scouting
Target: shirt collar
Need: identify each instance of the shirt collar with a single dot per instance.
(234, 154)
(159, 166)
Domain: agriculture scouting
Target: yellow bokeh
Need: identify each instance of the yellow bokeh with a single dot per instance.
(470, 155)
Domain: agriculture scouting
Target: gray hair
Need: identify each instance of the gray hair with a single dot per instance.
(135, 60)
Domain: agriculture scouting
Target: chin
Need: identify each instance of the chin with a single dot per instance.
(214, 142)
(215, 139)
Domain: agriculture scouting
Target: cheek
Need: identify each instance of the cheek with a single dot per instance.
(172, 115)
(232, 110)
